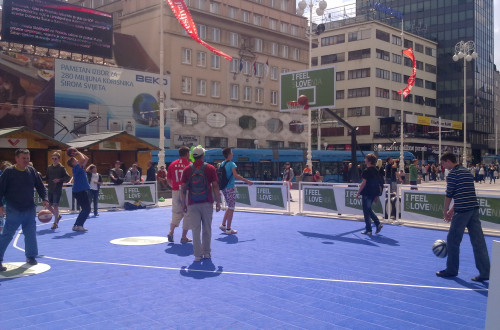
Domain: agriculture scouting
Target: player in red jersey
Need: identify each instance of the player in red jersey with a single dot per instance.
(174, 175)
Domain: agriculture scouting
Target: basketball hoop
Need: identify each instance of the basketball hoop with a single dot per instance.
(296, 112)
(294, 106)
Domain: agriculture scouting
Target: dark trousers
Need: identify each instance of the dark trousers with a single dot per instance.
(367, 202)
(82, 197)
(94, 196)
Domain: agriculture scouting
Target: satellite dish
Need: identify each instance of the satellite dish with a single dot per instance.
(320, 29)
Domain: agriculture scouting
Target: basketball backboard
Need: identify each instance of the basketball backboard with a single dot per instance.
(317, 84)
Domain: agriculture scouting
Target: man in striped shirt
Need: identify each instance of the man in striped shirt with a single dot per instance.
(463, 214)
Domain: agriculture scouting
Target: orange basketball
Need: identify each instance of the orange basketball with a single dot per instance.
(70, 151)
(44, 216)
(302, 100)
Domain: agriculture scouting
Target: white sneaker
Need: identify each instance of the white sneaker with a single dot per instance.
(231, 231)
(222, 227)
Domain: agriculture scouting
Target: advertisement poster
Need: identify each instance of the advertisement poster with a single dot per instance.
(348, 203)
(92, 98)
(319, 199)
(262, 196)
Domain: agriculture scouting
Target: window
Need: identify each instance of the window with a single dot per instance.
(430, 51)
(381, 92)
(186, 56)
(396, 96)
(202, 31)
(258, 45)
(186, 85)
(396, 40)
(233, 39)
(275, 144)
(333, 40)
(215, 142)
(214, 7)
(408, 62)
(284, 4)
(382, 112)
(396, 77)
(408, 99)
(274, 73)
(247, 93)
(420, 65)
(419, 48)
(430, 102)
(396, 58)
(359, 35)
(233, 91)
(358, 92)
(274, 125)
(201, 87)
(381, 35)
(296, 54)
(284, 51)
(339, 94)
(358, 111)
(273, 24)
(430, 85)
(215, 61)
(339, 75)
(232, 11)
(419, 82)
(430, 68)
(247, 70)
(259, 70)
(419, 100)
(332, 58)
(215, 92)
(359, 73)
(245, 16)
(359, 54)
(408, 43)
(384, 74)
(235, 65)
(294, 30)
(247, 122)
(201, 59)
(216, 34)
(382, 55)
(259, 95)
(274, 48)
(257, 19)
(274, 97)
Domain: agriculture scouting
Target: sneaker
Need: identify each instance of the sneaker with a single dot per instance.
(80, 228)
(54, 226)
(223, 228)
(197, 259)
(96, 215)
(369, 233)
(379, 228)
(32, 261)
(59, 218)
(170, 238)
(445, 273)
(74, 228)
(186, 240)
(480, 278)
(2, 268)
(231, 231)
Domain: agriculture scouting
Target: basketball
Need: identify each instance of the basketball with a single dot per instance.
(439, 248)
(302, 100)
(44, 216)
(71, 151)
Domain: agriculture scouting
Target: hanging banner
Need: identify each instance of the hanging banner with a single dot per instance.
(411, 80)
(183, 15)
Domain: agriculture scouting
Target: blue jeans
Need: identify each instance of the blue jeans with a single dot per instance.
(459, 222)
(94, 196)
(82, 197)
(25, 219)
(367, 202)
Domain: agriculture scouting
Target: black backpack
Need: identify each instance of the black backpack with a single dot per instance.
(222, 178)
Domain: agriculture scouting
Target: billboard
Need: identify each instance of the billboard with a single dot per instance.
(91, 98)
(58, 25)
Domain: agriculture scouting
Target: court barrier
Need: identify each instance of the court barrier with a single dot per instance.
(110, 196)
(338, 198)
(262, 195)
(425, 206)
(492, 315)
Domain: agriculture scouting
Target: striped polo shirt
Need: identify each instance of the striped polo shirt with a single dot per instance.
(460, 187)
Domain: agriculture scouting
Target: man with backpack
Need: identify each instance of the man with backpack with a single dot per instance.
(226, 175)
(199, 187)
(174, 175)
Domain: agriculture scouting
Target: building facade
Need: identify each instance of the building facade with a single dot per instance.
(448, 22)
(212, 101)
(495, 140)
(370, 70)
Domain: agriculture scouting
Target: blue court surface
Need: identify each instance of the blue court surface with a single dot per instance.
(279, 271)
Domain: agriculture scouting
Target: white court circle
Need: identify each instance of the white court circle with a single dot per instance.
(140, 240)
(21, 269)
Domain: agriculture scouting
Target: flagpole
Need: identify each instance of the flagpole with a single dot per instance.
(161, 144)
(401, 148)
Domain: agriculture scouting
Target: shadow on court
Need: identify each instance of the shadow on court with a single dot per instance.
(181, 250)
(232, 239)
(201, 269)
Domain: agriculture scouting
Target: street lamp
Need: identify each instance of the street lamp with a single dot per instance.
(465, 50)
(319, 11)
(325, 144)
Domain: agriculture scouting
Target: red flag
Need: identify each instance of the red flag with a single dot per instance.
(411, 80)
(183, 15)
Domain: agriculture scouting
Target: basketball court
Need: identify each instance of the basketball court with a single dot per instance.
(279, 271)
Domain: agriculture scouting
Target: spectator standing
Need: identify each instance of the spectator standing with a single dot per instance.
(414, 174)
(55, 176)
(95, 181)
(288, 177)
(317, 177)
(133, 175)
(424, 172)
(116, 174)
(229, 191)
(173, 178)
(199, 187)
(80, 188)
(150, 172)
(307, 171)
(388, 170)
(481, 173)
(464, 214)
(17, 183)
(491, 173)
(161, 177)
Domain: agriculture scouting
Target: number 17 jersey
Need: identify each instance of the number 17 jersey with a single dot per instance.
(174, 172)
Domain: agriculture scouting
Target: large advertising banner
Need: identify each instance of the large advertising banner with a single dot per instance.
(65, 203)
(91, 98)
(348, 203)
(259, 196)
(319, 199)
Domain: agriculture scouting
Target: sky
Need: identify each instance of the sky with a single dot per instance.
(496, 18)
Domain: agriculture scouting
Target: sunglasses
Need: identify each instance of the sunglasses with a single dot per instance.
(55, 158)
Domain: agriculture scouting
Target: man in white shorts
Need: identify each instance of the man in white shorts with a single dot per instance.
(174, 175)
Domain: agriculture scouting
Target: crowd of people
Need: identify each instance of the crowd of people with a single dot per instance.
(481, 172)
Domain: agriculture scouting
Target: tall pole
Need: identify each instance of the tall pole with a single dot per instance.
(464, 160)
(161, 145)
(401, 149)
(439, 151)
(309, 117)
(496, 139)
(319, 128)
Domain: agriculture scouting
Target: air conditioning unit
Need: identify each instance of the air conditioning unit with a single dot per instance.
(129, 126)
(115, 125)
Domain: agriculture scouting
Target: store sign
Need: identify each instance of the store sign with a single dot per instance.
(186, 140)
(13, 143)
(432, 121)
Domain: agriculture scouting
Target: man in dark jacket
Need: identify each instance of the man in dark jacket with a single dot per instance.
(16, 186)
(56, 175)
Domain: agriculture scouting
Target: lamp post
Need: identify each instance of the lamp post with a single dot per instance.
(319, 11)
(465, 50)
(161, 144)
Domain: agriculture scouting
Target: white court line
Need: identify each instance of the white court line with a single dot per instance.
(255, 274)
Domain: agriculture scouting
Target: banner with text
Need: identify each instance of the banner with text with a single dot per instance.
(259, 196)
